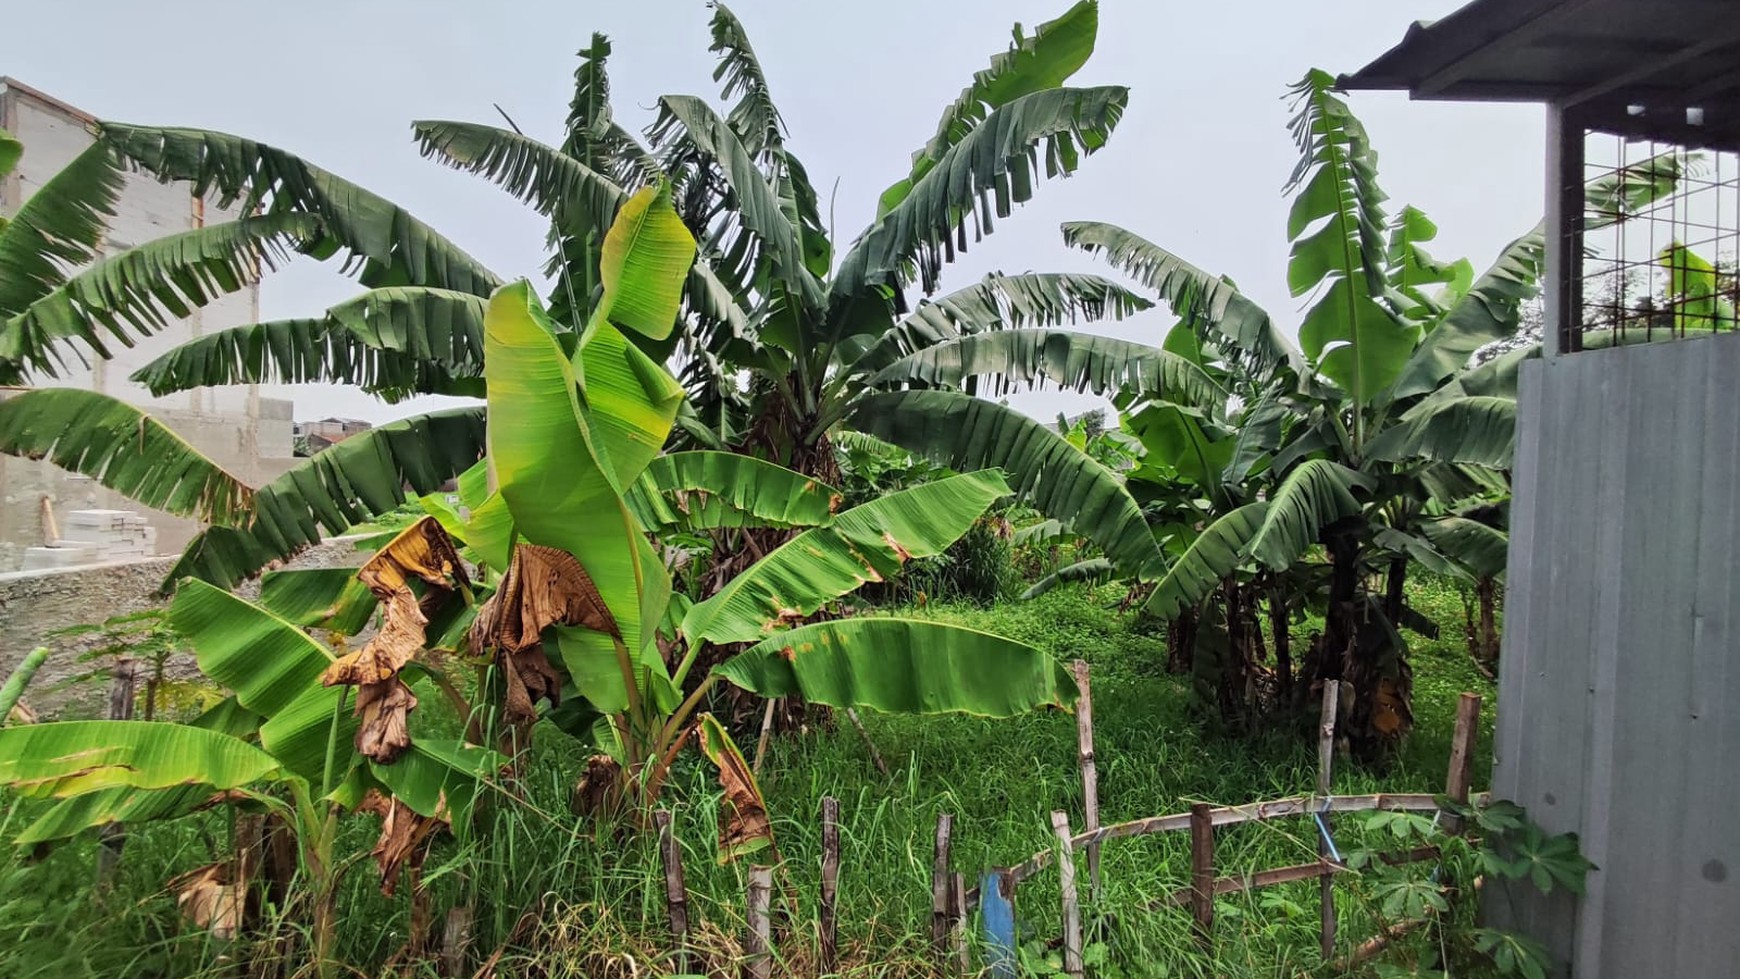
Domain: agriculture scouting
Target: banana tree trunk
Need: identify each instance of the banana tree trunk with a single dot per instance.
(1486, 590)
(1394, 588)
(1361, 646)
(1181, 642)
(1279, 630)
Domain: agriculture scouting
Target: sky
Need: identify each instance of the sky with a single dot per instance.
(1196, 165)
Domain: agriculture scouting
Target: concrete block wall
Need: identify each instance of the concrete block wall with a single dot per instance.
(36, 603)
(249, 435)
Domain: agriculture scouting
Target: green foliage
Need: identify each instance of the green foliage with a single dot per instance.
(1501, 844)
(1154, 757)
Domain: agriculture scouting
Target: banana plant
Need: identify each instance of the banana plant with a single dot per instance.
(572, 615)
(1342, 446)
(561, 516)
(284, 739)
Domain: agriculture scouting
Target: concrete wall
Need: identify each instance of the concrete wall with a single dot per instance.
(1619, 693)
(34, 604)
(249, 435)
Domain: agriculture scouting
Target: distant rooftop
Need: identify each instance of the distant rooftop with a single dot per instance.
(1655, 69)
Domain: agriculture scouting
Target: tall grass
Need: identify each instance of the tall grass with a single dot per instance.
(558, 897)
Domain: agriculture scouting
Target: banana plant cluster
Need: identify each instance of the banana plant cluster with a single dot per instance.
(559, 613)
(781, 338)
(1376, 441)
(565, 508)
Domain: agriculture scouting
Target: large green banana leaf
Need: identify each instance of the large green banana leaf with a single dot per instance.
(1093, 570)
(1314, 495)
(362, 477)
(394, 247)
(1002, 302)
(866, 543)
(760, 210)
(69, 758)
(1215, 553)
(74, 815)
(552, 461)
(903, 666)
(967, 433)
(1490, 310)
(563, 463)
(139, 291)
(1481, 549)
(980, 179)
(323, 598)
(1478, 431)
(436, 777)
(1016, 359)
(646, 256)
(1044, 59)
(123, 448)
(61, 226)
(69, 817)
(392, 342)
(1356, 341)
(274, 669)
(707, 490)
(1204, 302)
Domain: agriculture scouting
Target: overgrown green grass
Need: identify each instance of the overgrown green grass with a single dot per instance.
(557, 898)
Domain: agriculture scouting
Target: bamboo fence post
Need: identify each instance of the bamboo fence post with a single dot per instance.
(997, 919)
(958, 924)
(1325, 763)
(829, 923)
(1462, 747)
(875, 756)
(766, 735)
(676, 892)
(1071, 904)
(122, 694)
(939, 886)
(1202, 873)
(1090, 776)
(757, 948)
(456, 942)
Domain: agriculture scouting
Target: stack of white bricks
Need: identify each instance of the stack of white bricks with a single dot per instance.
(96, 537)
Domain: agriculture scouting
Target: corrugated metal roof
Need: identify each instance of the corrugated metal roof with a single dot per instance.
(1629, 66)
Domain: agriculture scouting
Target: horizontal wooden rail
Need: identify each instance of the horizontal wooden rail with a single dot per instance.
(1233, 815)
(1297, 872)
(1262, 878)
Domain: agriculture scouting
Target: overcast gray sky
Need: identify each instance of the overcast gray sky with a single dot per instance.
(1196, 164)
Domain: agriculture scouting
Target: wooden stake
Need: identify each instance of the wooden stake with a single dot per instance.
(1071, 905)
(1202, 872)
(50, 531)
(422, 910)
(121, 689)
(1462, 746)
(939, 886)
(766, 733)
(958, 924)
(875, 756)
(757, 950)
(122, 693)
(829, 923)
(676, 893)
(456, 942)
(997, 920)
(1090, 777)
(1325, 761)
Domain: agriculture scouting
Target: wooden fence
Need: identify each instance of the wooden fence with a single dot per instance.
(995, 895)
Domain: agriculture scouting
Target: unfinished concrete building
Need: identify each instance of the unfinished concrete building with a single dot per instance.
(247, 434)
